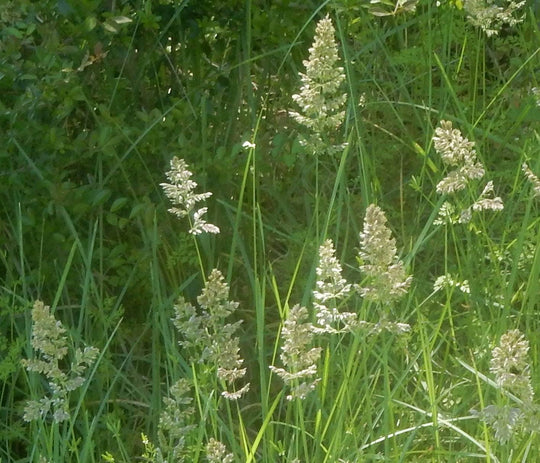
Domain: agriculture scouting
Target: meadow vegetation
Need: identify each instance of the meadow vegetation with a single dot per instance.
(270, 231)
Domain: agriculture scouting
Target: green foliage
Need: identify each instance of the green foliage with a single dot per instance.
(97, 98)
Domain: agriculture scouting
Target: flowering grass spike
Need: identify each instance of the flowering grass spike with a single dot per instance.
(181, 194)
(176, 422)
(387, 280)
(216, 452)
(297, 355)
(456, 151)
(331, 288)
(320, 100)
(207, 337)
(510, 364)
(535, 181)
(50, 342)
(491, 16)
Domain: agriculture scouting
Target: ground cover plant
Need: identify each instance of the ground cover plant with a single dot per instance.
(270, 231)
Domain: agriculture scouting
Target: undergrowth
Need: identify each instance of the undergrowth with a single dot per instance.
(265, 231)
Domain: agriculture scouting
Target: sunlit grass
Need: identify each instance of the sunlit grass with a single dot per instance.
(406, 383)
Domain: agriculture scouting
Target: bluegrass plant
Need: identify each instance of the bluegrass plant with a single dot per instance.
(315, 240)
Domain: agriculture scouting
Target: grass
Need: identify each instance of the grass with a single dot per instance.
(111, 262)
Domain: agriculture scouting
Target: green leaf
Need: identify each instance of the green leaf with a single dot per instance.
(121, 20)
(137, 210)
(118, 203)
(90, 23)
(100, 197)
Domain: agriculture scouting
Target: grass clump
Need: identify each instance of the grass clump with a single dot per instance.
(381, 239)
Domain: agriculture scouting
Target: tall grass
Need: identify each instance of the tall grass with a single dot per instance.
(379, 393)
